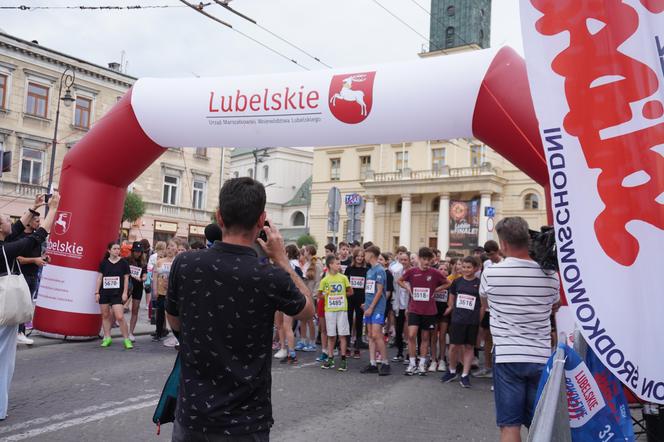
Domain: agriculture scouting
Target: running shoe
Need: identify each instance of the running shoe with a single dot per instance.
(384, 370)
(410, 370)
(442, 366)
(309, 348)
(328, 364)
(356, 354)
(276, 345)
(322, 357)
(299, 346)
(281, 354)
(433, 366)
(292, 360)
(127, 344)
(132, 338)
(106, 342)
(448, 377)
(369, 369)
(22, 339)
(465, 381)
(406, 361)
(171, 342)
(343, 365)
(348, 354)
(397, 358)
(421, 370)
(483, 373)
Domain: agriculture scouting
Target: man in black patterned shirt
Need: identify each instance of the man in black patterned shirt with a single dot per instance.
(221, 301)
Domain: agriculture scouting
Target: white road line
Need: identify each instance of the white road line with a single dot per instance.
(79, 421)
(62, 416)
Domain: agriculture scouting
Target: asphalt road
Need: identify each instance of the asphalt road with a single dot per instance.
(80, 392)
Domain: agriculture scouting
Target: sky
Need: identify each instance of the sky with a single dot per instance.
(179, 42)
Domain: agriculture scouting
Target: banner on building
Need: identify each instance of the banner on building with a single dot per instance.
(596, 71)
(464, 223)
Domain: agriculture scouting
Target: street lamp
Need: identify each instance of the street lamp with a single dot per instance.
(67, 78)
(260, 155)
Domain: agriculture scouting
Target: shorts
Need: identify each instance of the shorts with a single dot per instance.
(486, 321)
(336, 323)
(515, 390)
(464, 334)
(110, 299)
(424, 322)
(320, 307)
(377, 318)
(137, 294)
(440, 317)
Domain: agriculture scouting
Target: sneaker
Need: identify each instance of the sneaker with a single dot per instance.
(281, 354)
(156, 338)
(442, 366)
(132, 338)
(433, 366)
(22, 339)
(410, 370)
(448, 377)
(309, 348)
(328, 364)
(127, 344)
(171, 342)
(322, 357)
(492, 388)
(336, 352)
(291, 360)
(384, 370)
(465, 381)
(369, 369)
(483, 373)
(299, 346)
(106, 342)
(421, 370)
(397, 358)
(406, 361)
(343, 365)
(276, 345)
(348, 354)
(356, 354)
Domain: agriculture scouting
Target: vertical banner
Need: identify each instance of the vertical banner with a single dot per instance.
(464, 223)
(596, 71)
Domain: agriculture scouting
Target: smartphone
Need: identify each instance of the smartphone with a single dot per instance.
(262, 235)
(47, 197)
(259, 250)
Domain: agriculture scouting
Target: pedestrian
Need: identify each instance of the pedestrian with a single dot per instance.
(439, 337)
(344, 256)
(150, 286)
(334, 289)
(357, 273)
(212, 234)
(384, 260)
(161, 273)
(138, 272)
(287, 354)
(521, 297)
(112, 293)
(11, 251)
(224, 391)
(400, 303)
(313, 272)
(374, 313)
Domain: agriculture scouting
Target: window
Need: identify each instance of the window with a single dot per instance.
(250, 173)
(298, 219)
(435, 206)
(401, 161)
(82, 112)
(531, 202)
(451, 11)
(201, 151)
(477, 155)
(198, 198)
(171, 190)
(37, 104)
(437, 159)
(397, 206)
(266, 173)
(3, 91)
(236, 174)
(365, 166)
(335, 169)
(449, 37)
(31, 166)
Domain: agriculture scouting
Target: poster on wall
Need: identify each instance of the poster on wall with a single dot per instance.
(464, 223)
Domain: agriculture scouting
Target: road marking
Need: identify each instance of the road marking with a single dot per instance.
(62, 416)
(79, 421)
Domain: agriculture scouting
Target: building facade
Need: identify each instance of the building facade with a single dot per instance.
(286, 174)
(459, 23)
(179, 189)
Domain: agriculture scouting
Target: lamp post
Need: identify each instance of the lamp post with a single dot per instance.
(68, 77)
(259, 156)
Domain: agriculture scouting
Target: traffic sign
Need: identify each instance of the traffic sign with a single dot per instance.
(489, 224)
(490, 211)
(353, 199)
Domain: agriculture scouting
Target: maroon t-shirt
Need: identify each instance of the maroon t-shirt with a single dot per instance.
(423, 283)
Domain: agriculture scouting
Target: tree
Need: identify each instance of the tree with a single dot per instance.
(134, 208)
(306, 239)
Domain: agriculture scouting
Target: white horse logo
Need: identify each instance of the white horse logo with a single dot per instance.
(348, 94)
(62, 222)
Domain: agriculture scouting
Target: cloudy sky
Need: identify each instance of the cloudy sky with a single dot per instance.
(177, 41)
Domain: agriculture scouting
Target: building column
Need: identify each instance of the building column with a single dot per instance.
(369, 218)
(482, 235)
(497, 201)
(405, 231)
(444, 223)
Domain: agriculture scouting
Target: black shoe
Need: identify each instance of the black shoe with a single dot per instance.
(369, 369)
(384, 370)
(156, 338)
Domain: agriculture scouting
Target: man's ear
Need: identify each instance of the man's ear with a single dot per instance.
(261, 220)
(219, 219)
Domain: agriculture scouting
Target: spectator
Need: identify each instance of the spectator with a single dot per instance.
(226, 337)
(521, 297)
(212, 234)
(330, 249)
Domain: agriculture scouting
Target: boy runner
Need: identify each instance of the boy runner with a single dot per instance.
(344, 256)
(466, 310)
(421, 282)
(335, 288)
(374, 313)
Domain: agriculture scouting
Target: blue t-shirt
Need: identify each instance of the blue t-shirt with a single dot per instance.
(375, 275)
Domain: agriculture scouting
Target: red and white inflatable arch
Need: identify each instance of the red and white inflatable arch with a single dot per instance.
(482, 94)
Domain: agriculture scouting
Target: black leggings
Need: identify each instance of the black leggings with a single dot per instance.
(161, 316)
(398, 339)
(355, 306)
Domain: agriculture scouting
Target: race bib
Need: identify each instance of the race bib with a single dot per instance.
(371, 286)
(111, 282)
(335, 301)
(357, 282)
(135, 271)
(466, 301)
(440, 296)
(421, 294)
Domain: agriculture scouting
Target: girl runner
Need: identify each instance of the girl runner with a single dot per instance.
(357, 274)
(161, 272)
(138, 272)
(112, 287)
(313, 271)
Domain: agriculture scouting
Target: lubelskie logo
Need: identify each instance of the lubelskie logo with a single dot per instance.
(62, 222)
(351, 96)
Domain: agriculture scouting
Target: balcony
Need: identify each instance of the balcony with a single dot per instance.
(20, 190)
(195, 216)
(444, 172)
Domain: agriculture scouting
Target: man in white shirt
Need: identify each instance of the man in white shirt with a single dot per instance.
(521, 297)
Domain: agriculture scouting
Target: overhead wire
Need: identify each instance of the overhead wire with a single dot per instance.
(401, 21)
(439, 22)
(91, 8)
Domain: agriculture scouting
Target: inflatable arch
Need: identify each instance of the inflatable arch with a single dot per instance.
(482, 94)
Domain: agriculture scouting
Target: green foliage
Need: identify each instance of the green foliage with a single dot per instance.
(134, 207)
(306, 239)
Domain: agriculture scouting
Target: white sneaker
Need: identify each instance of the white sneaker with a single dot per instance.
(22, 339)
(421, 370)
(442, 366)
(171, 342)
(281, 354)
(433, 366)
(410, 370)
(132, 338)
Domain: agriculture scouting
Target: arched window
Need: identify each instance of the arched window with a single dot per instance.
(266, 172)
(449, 37)
(531, 202)
(435, 205)
(397, 206)
(250, 173)
(298, 219)
(451, 11)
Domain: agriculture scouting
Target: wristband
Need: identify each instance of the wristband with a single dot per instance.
(34, 212)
